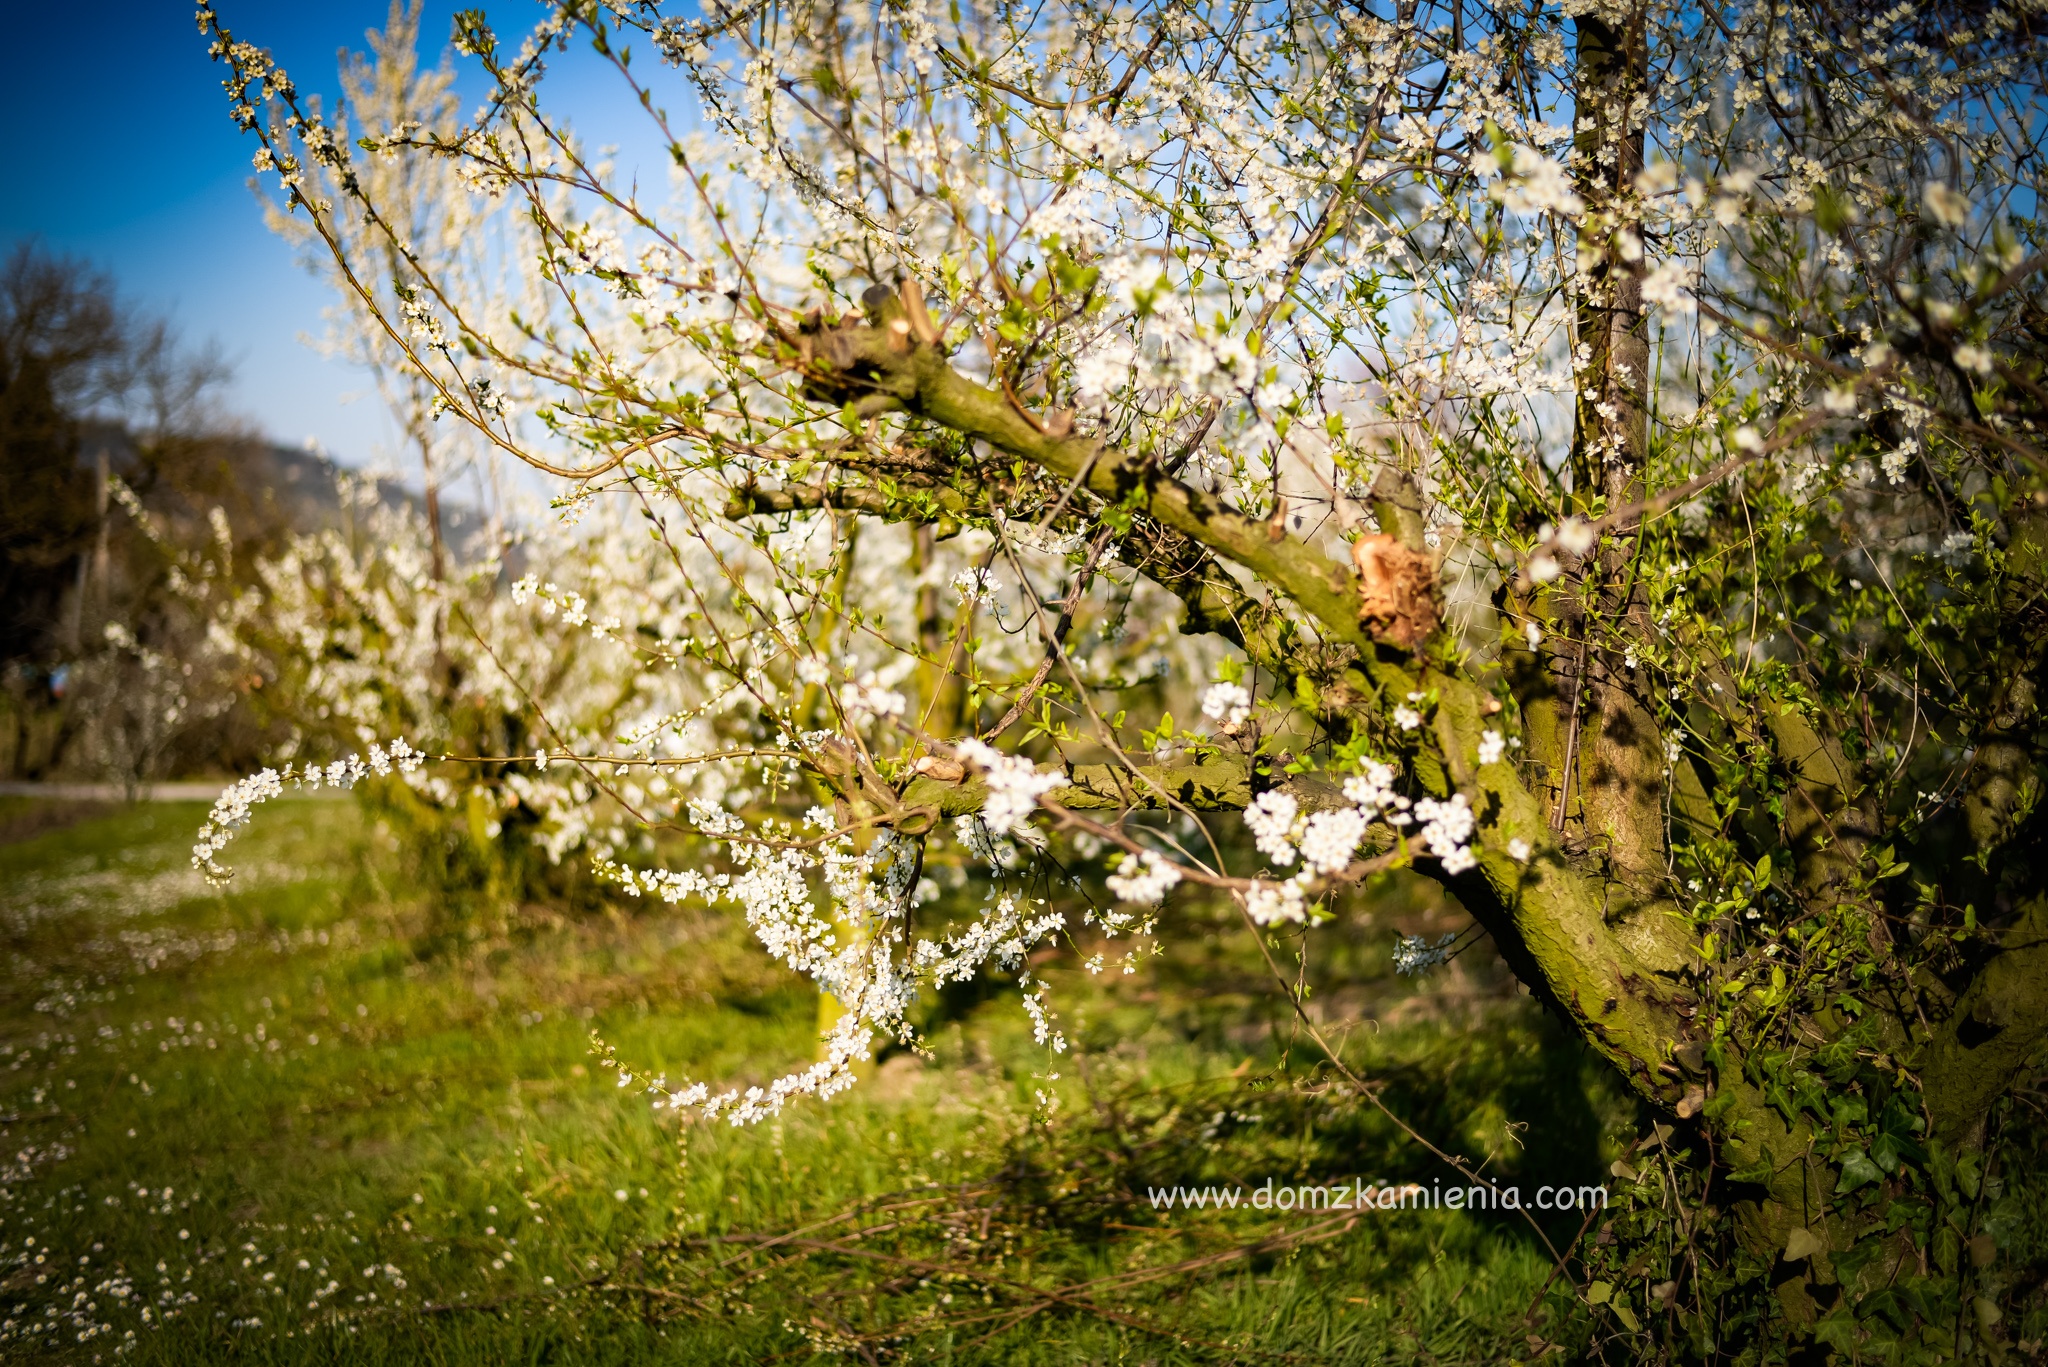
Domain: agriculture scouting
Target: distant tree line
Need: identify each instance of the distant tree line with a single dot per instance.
(97, 395)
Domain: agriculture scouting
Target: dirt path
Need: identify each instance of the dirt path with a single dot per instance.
(204, 791)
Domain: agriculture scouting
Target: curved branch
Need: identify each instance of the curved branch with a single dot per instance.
(884, 358)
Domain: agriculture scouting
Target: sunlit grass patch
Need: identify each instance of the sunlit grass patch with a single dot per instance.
(287, 1122)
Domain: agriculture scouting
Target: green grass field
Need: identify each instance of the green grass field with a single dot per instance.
(301, 1122)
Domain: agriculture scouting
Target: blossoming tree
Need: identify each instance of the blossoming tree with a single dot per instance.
(1593, 449)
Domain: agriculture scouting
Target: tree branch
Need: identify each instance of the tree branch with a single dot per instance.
(882, 357)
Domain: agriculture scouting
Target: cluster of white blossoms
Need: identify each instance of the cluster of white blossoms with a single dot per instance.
(670, 885)
(1328, 839)
(1326, 842)
(233, 808)
(1014, 784)
(1413, 954)
(1271, 903)
(1447, 827)
(1899, 459)
(1492, 745)
(1143, 879)
(1372, 791)
(976, 586)
(1228, 704)
(873, 975)
(1002, 937)
(1534, 184)
(1447, 830)
(866, 697)
(1271, 820)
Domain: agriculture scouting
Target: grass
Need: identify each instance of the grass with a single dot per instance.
(296, 1123)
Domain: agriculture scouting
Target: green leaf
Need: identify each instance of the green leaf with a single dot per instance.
(1855, 1258)
(1857, 1171)
(1599, 1292)
(1802, 1244)
(1763, 871)
(1838, 1330)
(1627, 1317)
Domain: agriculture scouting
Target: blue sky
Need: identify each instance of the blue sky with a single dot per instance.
(122, 152)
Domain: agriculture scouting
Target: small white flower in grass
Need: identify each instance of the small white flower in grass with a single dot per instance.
(1143, 879)
(1492, 745)
(1014, 784)
(1407, 718)
(1227, 703)
(1519, 850)
(1271, 819)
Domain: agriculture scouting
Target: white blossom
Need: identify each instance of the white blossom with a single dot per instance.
(1227, 703)
(1143, 879)
(1413, 954)
(1014, 784)
(1446, 831)
(1270, 818)
(865, 697)
(237, 803)
(1272, 903)
(1946, 205)
(1329, 839)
